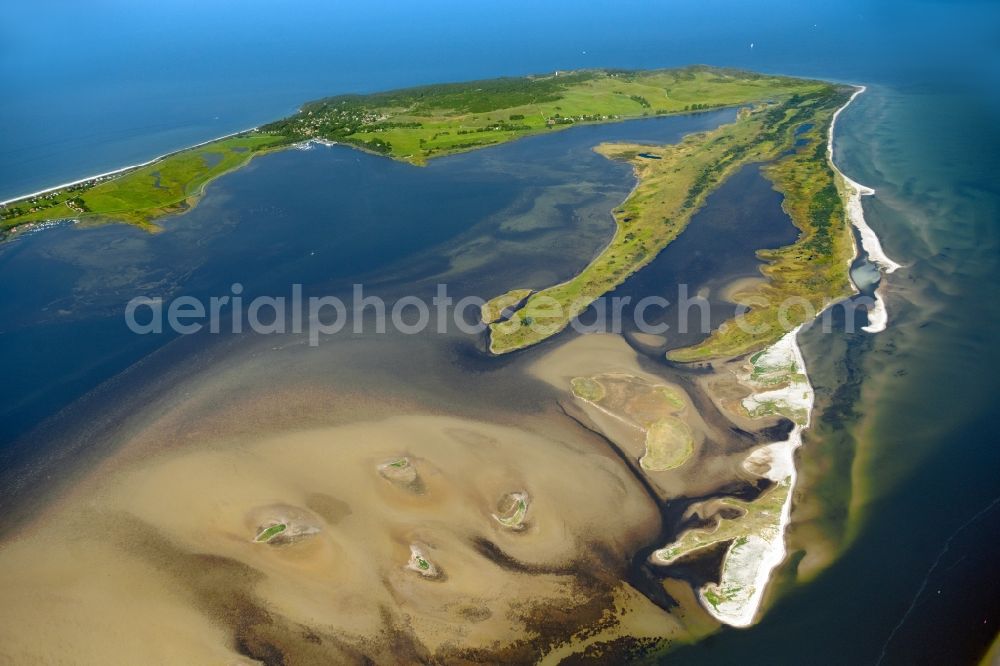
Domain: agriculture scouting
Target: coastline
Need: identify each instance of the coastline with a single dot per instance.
(767, 553)
(124, 169)
(411, 133)
(753, 566)
(757, 538)
(611, 241)
(878, 315)
(749, 562)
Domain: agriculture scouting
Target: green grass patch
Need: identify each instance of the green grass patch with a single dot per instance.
(142, 195)
(587, 388)
(271, 532)
(759, 517)
(493, 310)
(669, 191)
(669, 444)
(414, 125)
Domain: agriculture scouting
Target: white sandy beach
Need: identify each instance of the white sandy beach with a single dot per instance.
(750, 568)
(878, 316)
(747, 568)
(122, 169)
(750, 561)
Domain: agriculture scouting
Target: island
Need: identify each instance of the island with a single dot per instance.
(753, 378)
(673, 185)
(782, 121)
(413, 125)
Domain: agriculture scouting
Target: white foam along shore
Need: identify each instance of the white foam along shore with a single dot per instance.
(122, 170)
(765, 552)
(746, 570)
(750, 561)
(878, 317)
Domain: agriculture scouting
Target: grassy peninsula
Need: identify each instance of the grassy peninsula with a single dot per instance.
(784, 123)
(413, 125)
(417, 124)
(673, 183)
(807, 275)
(139, 196)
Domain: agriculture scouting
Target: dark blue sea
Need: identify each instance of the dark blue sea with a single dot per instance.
(908, 419)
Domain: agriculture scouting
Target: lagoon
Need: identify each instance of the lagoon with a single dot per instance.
(908, 487)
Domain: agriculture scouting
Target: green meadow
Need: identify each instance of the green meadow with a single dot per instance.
(674, 182)
(413, 125)
(169, 185)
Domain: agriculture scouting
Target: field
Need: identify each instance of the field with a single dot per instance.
(789, 118)
(674, 181)
(802, 278)
(413, 125)
(759, 517)
(140, 196)
(429, 122)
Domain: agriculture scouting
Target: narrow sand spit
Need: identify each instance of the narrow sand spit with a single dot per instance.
(748, 568)
(780, 385)
(123, 169)
(878, 317)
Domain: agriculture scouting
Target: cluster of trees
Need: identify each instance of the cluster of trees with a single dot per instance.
(375, 145)
(76, 203)
(824, 207)
(485, 141)
(797, 110)
(710, 173)
(699, 107)
(38, 203)
(390, 124)
(49, 200)
(701, 183)
(8, 213)
(471, 97)
(498, 126)
(559, 119)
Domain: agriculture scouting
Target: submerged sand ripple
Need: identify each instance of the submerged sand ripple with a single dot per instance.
(365, 567)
